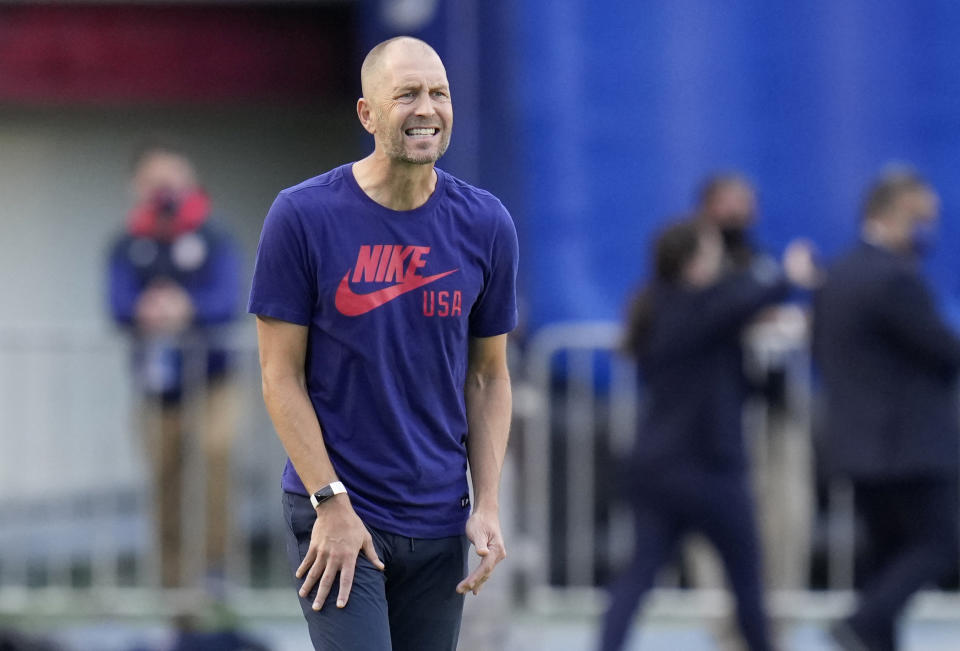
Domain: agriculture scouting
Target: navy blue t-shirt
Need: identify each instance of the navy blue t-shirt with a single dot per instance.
(390, 298)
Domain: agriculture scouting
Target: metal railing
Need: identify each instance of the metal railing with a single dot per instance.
(75, 489)
(75, 503)
(576, 408)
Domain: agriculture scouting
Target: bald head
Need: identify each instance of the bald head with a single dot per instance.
(371, 72)
(406, 101)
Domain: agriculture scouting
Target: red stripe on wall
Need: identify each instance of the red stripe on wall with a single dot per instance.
(148, 54)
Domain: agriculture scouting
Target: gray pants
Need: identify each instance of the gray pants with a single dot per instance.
(411, 606)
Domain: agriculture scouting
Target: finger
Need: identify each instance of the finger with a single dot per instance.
(346, 582)
(480, 574)
(466, 585)
(323, 588)
(307, 562)
(481, 546)
(486, 567)
(311, 577)
(371, 553)
(476, 588)
(472, 582)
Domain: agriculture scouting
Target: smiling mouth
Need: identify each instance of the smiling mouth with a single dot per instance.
(422, 131)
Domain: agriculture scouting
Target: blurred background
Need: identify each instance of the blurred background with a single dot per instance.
(593, 122)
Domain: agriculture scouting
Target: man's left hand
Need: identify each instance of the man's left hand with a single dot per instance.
(483, 530)
(164, 308)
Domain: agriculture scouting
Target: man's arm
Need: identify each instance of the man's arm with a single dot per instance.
(124, 287)
(909, 314)
(338, 534)
(724, 308)
(488, 402)
(216, 300)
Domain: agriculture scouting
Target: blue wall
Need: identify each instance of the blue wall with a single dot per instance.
(594, 121)
(626, 105)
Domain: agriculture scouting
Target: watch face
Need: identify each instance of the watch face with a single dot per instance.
(327, 492)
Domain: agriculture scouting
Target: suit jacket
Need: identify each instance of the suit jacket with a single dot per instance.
(691, 367)
(889, 365)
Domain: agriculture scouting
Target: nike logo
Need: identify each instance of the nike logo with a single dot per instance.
(384, 263)
(349, 303)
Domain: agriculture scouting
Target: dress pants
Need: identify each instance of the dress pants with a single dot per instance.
(912, 524)
(412, 605)
(670, 502)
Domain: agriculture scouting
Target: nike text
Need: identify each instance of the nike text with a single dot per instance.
(397, 264)
(384, 262)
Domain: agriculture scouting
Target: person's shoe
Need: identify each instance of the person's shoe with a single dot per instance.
(846, 637)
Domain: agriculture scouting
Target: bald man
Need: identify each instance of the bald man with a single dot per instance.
(384, 290)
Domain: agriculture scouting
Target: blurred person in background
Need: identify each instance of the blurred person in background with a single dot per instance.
(174, 275)
(384, 290)
(889, 367)
(778, 429)
(689, 470)
(728, 202)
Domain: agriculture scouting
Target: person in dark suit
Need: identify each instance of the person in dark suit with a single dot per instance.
(889, 367)
(689, 468)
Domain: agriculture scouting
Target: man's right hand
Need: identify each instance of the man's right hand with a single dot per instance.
(337, 539)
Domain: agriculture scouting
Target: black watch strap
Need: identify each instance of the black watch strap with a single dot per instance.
(325, 493)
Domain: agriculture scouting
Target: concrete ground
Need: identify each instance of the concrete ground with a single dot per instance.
(526, 633)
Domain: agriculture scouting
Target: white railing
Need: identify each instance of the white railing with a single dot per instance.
(75, 503)
(76, 532)
(576, 406)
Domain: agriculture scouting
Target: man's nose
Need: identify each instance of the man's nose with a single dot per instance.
(424, 105)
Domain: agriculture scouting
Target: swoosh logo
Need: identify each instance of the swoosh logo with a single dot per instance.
(349, 303)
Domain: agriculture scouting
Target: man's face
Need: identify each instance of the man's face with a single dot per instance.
(913, 211)
(922, 206)
(412, 114)
(162, 173)
(732, 206)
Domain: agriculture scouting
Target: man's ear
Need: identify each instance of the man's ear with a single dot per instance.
(365, 113)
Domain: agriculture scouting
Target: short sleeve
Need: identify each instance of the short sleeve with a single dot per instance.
(495, 311)
(284, 284)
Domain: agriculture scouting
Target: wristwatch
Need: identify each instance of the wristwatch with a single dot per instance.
(325, 493)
